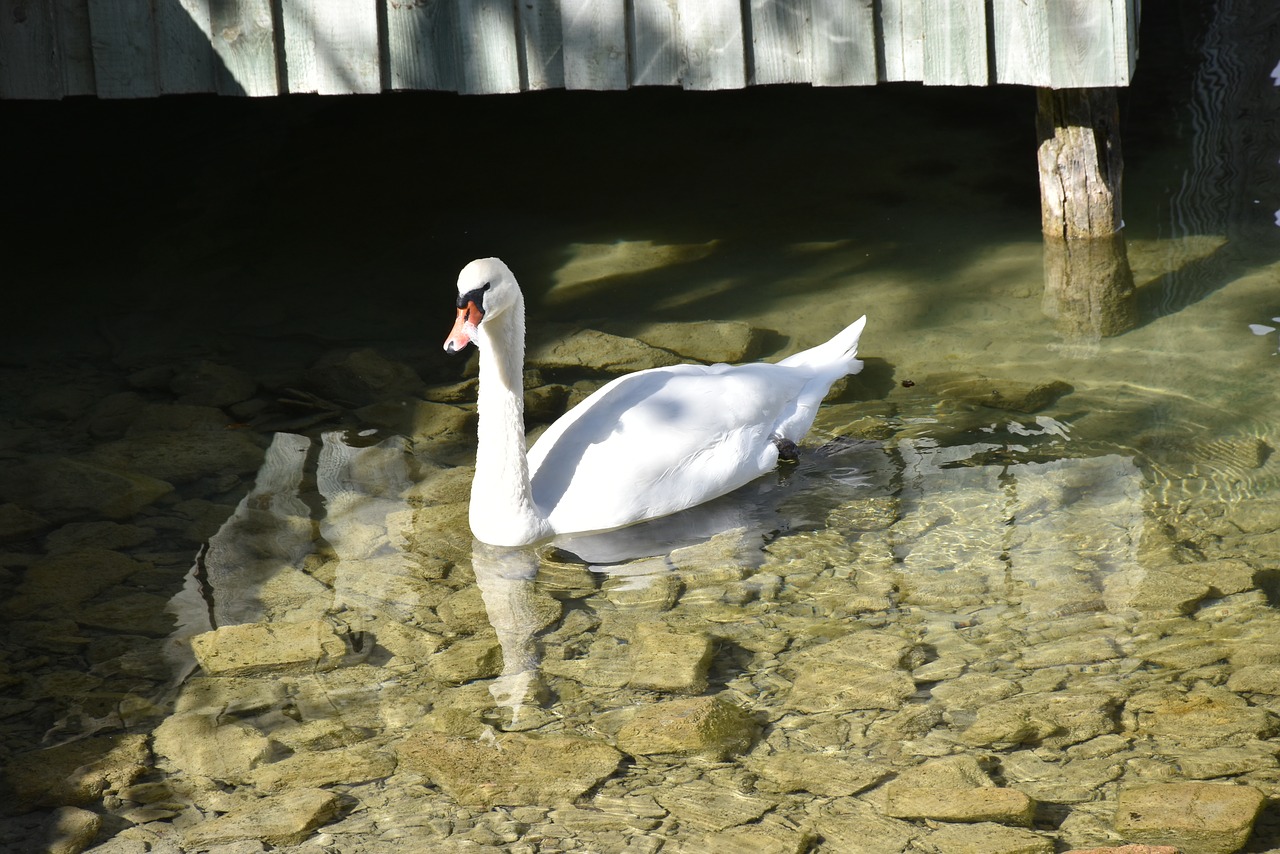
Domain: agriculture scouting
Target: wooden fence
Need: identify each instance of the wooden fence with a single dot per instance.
(145, 48)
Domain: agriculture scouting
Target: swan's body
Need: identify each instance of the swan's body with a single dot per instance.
(645, 445)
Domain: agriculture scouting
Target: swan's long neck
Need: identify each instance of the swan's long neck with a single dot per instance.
(502, 509)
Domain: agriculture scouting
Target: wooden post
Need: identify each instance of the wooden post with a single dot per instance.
(1088, 283)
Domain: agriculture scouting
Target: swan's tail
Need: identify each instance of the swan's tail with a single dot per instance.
(839, 353)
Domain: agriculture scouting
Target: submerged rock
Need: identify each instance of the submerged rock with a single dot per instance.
(663, 660)
(730, 341)
(70, 830)
(361, 377)
(820, 773)
(77, 772)
(510, 769)
(211, 746)
(588, 349)
(1212, 818)
(284, 819)
(705, 806)
(861, 670)
(699, 726)
(254, 648)
(62, 489)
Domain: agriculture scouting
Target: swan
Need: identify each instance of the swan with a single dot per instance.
(645, 445)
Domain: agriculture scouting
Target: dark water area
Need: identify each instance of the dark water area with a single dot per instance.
(1020, 590)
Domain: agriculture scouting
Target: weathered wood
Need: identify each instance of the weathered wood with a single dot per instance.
(422, 40)
(29, 60)
(1088, 282)
(330, 48)
(184, 47)
(902, 31)
(595, 44)
(1064, 44)
(655, 43)
(542, 32)
(844, 41)
(75, 47)
(711, 38)
(955, 43)
(780, 49)
(489, 52)
(124, 62)
(244, 40)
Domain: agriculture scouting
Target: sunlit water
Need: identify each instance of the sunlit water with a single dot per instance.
(1051, 554)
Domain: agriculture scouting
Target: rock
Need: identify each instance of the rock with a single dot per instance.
(96, 535)
(253, 648)
(19, 524)
(211, 384)
(705, 806)
(421, 420)
(1207, 717)
(285, 819)
(663, 660)
(110, 417)
(70, 830)
(411, 644)
(852, 825)
(347, 765)
(710, 341)
(986, 839)
(67, 579)
(1153, 592)
(229, 695)
(698, 726)
(510, 769)
(468, 660)
(1212, 818)
(939, 803)
(177, 418)
(592, 350)
(952, 772)
(362, 377)
(1053, 719)
(1073, 781)
(1008, 395)
(861, 670)
(139, 613)
(819, 773)
(76, 772)
(62, 489)
(464, 612)
(1216, 762)
(760, 838)
(1224, 577)
(181, 457)
(387, 585)
(1129, 849)
(1255, 679)
(211, 746)
(972, 691)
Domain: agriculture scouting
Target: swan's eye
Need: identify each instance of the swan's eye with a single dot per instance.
(475, 297)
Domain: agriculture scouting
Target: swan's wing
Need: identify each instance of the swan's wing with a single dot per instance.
(658, 441)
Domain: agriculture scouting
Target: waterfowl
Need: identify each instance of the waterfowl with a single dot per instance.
(645, 445)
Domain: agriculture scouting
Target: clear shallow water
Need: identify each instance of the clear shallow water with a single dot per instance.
(1075, 593)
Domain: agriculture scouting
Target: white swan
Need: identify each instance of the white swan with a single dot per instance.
(645, 445)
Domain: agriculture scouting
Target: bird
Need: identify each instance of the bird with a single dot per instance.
(645, 445)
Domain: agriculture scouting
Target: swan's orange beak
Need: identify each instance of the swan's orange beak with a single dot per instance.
(464, 327)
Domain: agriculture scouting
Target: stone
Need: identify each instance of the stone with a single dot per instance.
(177, 418)
(211, 746)
(76, 772)
(361, 377)
(1153, 592)
(856, 826)
(1060, 782)
(703, 805)
(1129, 849)
(1009, 395)
(512, 769)
(1207, 717)
(110, 417)
(467, 660)
(61, 489)
(860, 670)
(1224, 577)
(952, 772)
(940, 803)
(663, 660)
(285, 819)
(408, 643)
(760, 838)
(212, 384)
(19, 524)
(1256, 679)
(67, 579)
(986, 838)
(710, 341)
(822, 774)
(973, 691)
(1053, 719)
(313, 769)
(387, 585)
(1212, 818)
(255, 648)
(70, 830)
(229, 695)
(105, 535)
(181, 457)
(697, 726)
(592, 350)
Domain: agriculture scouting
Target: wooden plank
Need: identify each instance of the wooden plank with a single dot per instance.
(712, 41)
(184, 51)
(423, 45)
(780, 49)
(595, 44)
(1021, 43)
(490, 60)
(331, 48)
(542, 35)
(655, 43)
(955, 43)
(1065, 44)
(29, 61)
(124, 62)
(844, 43)
(244, 39)
(902, 26)
(75, 47)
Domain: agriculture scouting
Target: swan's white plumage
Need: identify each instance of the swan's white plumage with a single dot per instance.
(645, 445)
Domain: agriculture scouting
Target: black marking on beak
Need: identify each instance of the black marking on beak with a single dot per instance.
(475, 297)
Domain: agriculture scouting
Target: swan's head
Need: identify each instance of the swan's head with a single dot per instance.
(486, 289)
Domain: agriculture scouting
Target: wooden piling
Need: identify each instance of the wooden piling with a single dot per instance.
(1088, 283)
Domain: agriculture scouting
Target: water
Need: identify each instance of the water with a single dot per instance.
(1007, 556)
